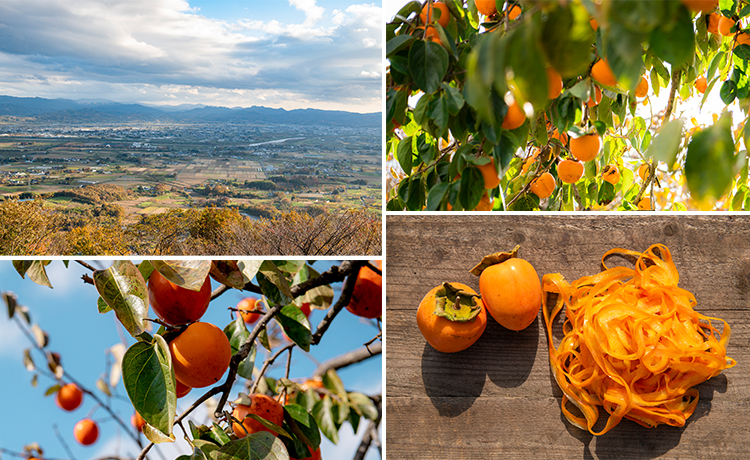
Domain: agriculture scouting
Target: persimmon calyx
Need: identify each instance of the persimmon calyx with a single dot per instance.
(456, 304)
(494, 259)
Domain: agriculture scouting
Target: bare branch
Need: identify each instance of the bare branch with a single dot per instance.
(347, 359)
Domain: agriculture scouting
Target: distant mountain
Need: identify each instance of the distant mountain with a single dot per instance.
(103, 111)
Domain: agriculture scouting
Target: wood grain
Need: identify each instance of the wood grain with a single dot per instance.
(498, 399)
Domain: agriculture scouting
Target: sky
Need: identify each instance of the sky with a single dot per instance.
(324, 54)
(68, 313)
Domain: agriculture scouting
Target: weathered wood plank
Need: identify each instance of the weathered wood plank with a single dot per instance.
(498, 399)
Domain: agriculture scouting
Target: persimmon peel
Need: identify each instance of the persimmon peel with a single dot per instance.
(632, 343)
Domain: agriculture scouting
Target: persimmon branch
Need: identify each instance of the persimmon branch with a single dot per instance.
(347, 359)
(270, 361)
(371, 435)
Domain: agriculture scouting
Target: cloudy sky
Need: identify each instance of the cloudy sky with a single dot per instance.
(291, 54)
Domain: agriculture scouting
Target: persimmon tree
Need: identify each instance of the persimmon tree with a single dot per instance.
(510, 90)
(175, 339)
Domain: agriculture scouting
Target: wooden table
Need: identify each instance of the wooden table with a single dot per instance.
(498, 399)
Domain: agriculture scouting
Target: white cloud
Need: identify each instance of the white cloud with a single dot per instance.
(137, 51)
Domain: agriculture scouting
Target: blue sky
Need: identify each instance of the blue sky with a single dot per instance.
(324, 54)
(81, 335)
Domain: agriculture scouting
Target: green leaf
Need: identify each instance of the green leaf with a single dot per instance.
(472, 188)
(674, 42)
(256, 446)
(436, 195)
(323, 413)
(237, 333)
(454, 98)
(295, 325)
(249, 268)
(122, 287)
(428, 63)
(320, 297)
(34, 269)
(728, 92)
(405, 154)
(308, 399)
(11, 301)
(623, 52)
(149, 381)
(189, 274)
(303, 425)
(333, 383)
(567, 37)
(525, 58)
(102, 306)
(709, 165)
(666, 144)
(363, 405)
(273, 284)
(397, 43)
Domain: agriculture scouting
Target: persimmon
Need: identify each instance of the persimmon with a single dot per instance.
(602, 72)
(181, 389)
(200, 355)
(642, 89)
(510, 289)
(514, 12)
(486, 7)
(563, 138)
(586, 147)
(701, 84)
(264, 407)
(530, 160)
(645, 204)
(725, 25)
(306, 309)
(712, 23)
(643, 171)
(543, 186)
(489, 174)
(137, 421)
(431, 33)
(596, 98)
(705, 6)
(742, 39)
(485, 203)
(570, 171)
(594, 24)
(515, 116)
(611, 174)
(174, 304)
(367, 296)
(445, 15)
(69, 397)
(451, 317)
(247, 308)
(86, 432)
(554, 83)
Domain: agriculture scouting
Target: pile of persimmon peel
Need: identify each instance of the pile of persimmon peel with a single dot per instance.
(632, 343)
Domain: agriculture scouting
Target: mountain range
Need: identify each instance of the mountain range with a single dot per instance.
(102, 111)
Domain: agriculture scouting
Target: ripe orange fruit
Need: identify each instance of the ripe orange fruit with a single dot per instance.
(543, 186)
(174, 304)
(705, 6)
(602, 73)
(554, 83)
(200, 355)
(514, 12)
(489, 174)
(305, 307)
(713, 23)
(515, 116)
(486, 7)
(485, 204)
(642, 89)
(445, 15)
(247, 306)
(431, 34)
(367, 297)
(611, 174)
(585, 148)
(594, 24)
(451, 317)
(137, 421)
(701, 84)
(743, 39)
(645, 204)
(264, 407)
(530, 160)
(69, 397)
(512, 293)
(181, 389)
(725, 24)
(597, 98)
(563, 138)
(86, 432)
(643, 170)
(570, 171)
